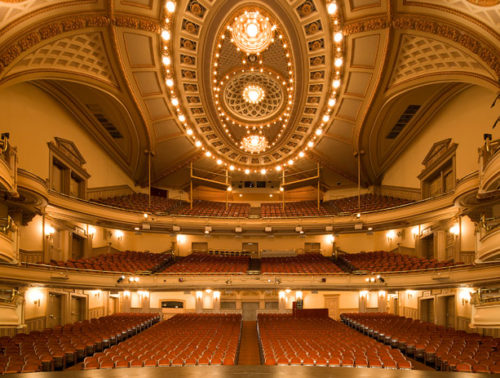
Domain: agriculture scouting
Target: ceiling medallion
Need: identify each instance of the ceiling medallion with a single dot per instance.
(251, 32)
(253, 94)
(254, 143)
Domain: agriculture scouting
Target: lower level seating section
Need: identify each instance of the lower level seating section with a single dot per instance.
(128, 261)
(383, 261)
(311, 263)
(205, 263)
(216, 209)
(140, 202)
(444, 348)
(369, 202)
(321, 341)
(292, 209)
(187, 339)
(60, 347)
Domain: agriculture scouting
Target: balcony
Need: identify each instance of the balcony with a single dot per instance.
(8, 168)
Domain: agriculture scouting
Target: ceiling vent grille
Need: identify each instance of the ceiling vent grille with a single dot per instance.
(406, 117)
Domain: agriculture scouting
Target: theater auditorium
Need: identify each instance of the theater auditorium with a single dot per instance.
(218, 188)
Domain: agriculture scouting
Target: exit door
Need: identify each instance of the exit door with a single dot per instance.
(77, 308)
(54, 310)
(249, 311)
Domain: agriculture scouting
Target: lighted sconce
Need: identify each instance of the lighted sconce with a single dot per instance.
(282, 294)
(119, 234)
(91, 231)
(287, 291)
(363, 294)
(465, 295)
(181, 239)
(143, 293)
(49, 230)
(146, 216)
(208, 291)
(216, 294)
(410, 293)
(391, 234)
(382, 293)
(133, 279)
(199, 294)
(415, 231)
(330, 238)
(455, 230)
(126, 294)
(35, 296)
(298, 295)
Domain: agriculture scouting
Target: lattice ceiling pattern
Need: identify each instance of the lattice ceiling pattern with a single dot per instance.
(267, 107)
(10, 11)
(420, 55)
(83, 53)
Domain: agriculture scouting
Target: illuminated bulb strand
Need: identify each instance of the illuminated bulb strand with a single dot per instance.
(336, 83)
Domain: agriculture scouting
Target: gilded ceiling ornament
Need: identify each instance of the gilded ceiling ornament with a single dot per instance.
(254, 143)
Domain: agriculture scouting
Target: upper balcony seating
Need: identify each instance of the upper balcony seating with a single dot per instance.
(382, 261)
(369, 202)
(59, 347)
(140, 202)
(128, 261)
(216, 209)
(288, 340)
(445, 348)
(187, 339)
(204, 263)
(311, 263)
(292, 209)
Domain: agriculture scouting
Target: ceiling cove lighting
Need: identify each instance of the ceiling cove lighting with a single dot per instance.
(252, 32)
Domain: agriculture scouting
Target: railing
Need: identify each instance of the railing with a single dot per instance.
(489, 166)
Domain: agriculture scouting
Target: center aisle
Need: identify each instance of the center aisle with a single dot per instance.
(249, 346)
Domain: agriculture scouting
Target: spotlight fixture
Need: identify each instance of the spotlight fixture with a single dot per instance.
(120, 279)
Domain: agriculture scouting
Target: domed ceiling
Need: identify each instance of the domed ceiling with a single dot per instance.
(252, 87)
(240, 79)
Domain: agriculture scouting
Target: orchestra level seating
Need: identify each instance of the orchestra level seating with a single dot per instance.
(383, 261)
(321, 341)
(60, 347)
(444, 348)
(187, 339)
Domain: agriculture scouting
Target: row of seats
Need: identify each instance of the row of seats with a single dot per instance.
(140, 202)
(383, 261)
(305, 264)
(204, 263)
(369, 202)
(444, 348)
(60, 347)
(321, 341)
(128, 261)
(292, 209)
(187, 339)
(216, 209)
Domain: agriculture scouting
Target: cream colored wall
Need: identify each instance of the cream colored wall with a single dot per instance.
(464, 119)
(31, 235)
(35, 304)
(468, 240)
(96, 298)
(353, 243)
(33, 118)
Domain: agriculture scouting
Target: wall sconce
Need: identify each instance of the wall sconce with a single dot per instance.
(282, 294)
(119, 234)
(35, 296)
(298, 295)
(455, 230)
(181, 239)
(330, 239)
(199, 294)
(410, 293)
(287, 291)
(415, 231)
(208, 291)
(390, 235)
(216, 294)
(382, 293)
(49, 231)
(126, 294)
(363, 294)
(91, 232)
(465, 295)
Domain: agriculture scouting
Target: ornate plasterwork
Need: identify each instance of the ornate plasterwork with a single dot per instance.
(44, 32)
(82, 53)
(240, 109)
(420, 55)
(252, 32)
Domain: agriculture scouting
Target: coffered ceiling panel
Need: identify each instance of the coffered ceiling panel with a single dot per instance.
(139, 49)
(157, 108)
(358, 83)
(148, 83)
(365, 50)
(165, 128)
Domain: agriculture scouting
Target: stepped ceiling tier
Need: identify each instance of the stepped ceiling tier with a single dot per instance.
(252, 85)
